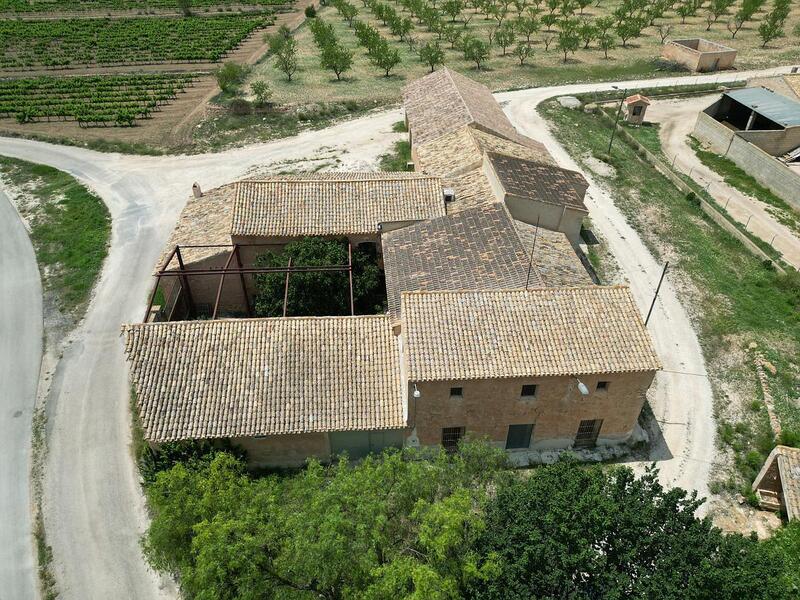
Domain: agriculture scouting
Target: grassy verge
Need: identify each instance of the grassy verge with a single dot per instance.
(70, 230)
(398, 158)
(733, 297)
(227, 129)
(747, 184)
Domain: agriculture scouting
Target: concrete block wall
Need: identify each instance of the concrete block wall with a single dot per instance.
(766, 169)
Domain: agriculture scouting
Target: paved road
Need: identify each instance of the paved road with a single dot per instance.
(20, 361)
(677, 118)
(94, 512)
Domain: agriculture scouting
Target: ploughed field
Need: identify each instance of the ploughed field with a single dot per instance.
(73, 42)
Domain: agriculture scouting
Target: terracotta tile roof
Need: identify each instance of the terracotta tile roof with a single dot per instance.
(541, 182)
(554, 258)
(444, 101)
(247, 377)
(472, 189)
(333, 203)
(637, 98)
(474, 249)
(517, 333)
(203, 221)
(463, 149)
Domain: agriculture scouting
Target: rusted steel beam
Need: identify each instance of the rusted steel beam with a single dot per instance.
(184, 282)
(286, 286)
(350, 273)
(252, 270)
(158, 282)
(244, 285)
(221, 283)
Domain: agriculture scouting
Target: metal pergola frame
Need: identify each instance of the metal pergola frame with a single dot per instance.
(183, 274)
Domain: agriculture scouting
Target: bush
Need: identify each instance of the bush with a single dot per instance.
(790, 437)
(229, 76)
(310, 11)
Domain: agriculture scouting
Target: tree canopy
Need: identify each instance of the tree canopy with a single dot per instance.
(429, 524)
(319, 293)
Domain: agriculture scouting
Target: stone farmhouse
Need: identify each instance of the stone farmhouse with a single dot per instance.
(493, 325)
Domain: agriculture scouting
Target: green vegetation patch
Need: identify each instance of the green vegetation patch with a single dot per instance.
(734, 297)
(398, 158)
(747, 184)
(70, 230)
(431, 524)
(42, 6)
(97, 100)
(70, 42)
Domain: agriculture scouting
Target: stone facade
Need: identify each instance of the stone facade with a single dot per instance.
(699, 55)
(488, 407)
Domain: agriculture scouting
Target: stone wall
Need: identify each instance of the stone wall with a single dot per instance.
(284, 450)
(766, 169)
(488, 407)
(699, 55)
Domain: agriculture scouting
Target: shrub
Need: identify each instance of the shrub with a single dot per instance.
(310, 11)
(230, 75)
(240, 107)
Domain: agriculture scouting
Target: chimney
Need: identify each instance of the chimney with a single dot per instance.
(196, 190)
(449, 195)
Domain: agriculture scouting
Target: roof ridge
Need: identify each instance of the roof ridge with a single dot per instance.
(212, 322)
(460, 95)
(411, 175)
(539, 289)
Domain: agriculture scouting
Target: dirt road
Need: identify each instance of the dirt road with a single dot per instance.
(20, 360)
(93, 506)
(94, 511)
(677, 118)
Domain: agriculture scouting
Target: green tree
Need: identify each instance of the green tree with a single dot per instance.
(385, 57)
(568, 38)
(261, 91)
(505, 36)
(453, 8)
(590, 533)
(336, 58)
(284, 53)
(527, 26)
(587, 32)
(606, 42)
(523, 51)
(432, 55)
(771, 28)
(229, 76)
(475, 50)
(319, 292)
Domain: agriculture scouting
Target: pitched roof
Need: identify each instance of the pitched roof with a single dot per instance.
(445, 100)
(333, 203)
(203, 221)
(474, 249)
(788, 460)
(554, 258)
(516, 333)
(637, 98)
(775, 107)
(472, 189)
(541, 182)
(246, 377)
(462, 149)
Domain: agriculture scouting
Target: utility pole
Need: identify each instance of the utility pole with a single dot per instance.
(616, 120)
(658, 288)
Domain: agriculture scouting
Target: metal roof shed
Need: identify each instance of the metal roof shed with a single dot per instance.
(768, 104)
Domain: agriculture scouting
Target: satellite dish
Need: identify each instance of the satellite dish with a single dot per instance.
(583, 389)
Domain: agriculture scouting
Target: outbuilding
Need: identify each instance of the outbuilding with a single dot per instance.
(634, 108)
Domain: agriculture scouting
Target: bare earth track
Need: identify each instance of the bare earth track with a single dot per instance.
(94, 510)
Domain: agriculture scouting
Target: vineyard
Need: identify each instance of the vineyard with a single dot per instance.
(42, 6)
(91, 101)
(69, 42)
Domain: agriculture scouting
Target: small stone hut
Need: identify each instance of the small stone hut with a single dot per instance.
(634, 108)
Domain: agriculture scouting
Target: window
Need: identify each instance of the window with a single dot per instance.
(451, 437)
(528, 391)
(456, 392)
(587, 433)
(602, 386)
(637, 110)
(519, 436)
